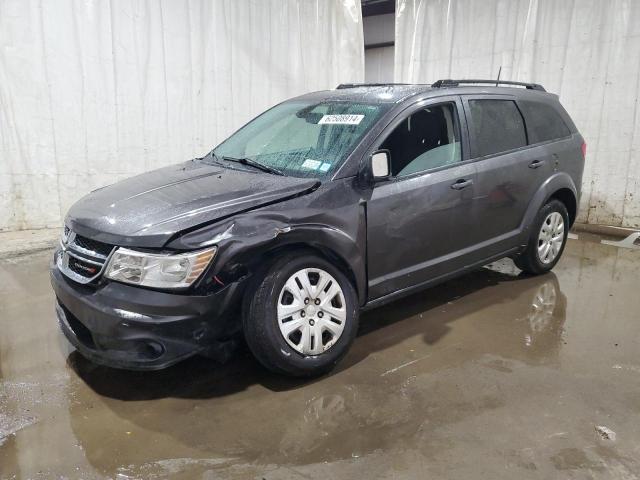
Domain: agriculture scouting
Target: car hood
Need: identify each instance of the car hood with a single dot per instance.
(149, 209)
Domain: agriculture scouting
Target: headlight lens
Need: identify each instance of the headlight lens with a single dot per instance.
(157, 270)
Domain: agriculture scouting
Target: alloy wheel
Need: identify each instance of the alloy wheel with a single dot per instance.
(551, 237)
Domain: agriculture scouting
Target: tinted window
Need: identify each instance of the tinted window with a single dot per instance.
(543, 121)
(427, 139)
(498, 126)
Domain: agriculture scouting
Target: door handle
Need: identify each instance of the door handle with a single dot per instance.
(460, 184)
(536, 164)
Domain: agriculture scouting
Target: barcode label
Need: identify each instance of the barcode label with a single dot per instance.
(340, 119)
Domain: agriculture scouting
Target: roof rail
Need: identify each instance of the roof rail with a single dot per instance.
(455, 83)
(342, 86)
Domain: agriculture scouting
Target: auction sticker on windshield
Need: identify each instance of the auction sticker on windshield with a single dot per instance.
(341, 120)
(312, 164)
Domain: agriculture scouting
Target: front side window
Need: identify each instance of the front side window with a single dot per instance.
(302, 139)
(543, 121)
(498, 126)
(427, 139)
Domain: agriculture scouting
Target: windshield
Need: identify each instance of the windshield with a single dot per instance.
(302, 139)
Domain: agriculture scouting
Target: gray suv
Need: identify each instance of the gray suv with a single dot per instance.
(323, 206)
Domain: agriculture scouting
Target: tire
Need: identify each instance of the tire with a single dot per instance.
(316, 346)
(533, 260)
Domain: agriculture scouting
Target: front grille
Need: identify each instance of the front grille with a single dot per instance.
(93, 245)
(83, 259)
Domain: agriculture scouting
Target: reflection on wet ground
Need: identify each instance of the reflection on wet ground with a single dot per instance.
(492, 375)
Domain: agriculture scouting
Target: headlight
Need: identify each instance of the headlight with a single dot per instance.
(158, 270)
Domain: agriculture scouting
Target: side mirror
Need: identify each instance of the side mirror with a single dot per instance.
(380, 161)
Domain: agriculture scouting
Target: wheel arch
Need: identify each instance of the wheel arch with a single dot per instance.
(568, 198)
(322, 250)
(559, 186)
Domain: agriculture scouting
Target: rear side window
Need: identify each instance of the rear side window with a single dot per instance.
(543, 121)
(498, 126)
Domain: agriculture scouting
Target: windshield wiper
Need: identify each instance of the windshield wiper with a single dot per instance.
(215, 157)
(253, 163)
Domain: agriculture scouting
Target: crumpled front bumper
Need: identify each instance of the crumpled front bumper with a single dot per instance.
(134, 328)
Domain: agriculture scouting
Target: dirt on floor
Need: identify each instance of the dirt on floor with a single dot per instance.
(493, 375)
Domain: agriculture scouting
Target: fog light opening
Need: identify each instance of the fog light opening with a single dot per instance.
(151, 349)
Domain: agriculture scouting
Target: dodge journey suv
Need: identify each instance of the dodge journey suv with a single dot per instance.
(323, 206)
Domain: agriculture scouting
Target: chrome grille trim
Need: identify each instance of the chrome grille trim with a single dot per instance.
(71, 249)
(84, 259)
(86, 251)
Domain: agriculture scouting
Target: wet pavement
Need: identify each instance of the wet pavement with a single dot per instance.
(493, 375)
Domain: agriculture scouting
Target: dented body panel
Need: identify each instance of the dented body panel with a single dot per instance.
(331, 219)
(149, 209)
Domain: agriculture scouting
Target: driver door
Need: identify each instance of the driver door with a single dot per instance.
(417, 219)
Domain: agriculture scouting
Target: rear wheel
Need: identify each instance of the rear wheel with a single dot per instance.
(301, 317)
(547, 241)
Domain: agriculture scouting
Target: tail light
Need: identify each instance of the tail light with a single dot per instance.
(584, 150)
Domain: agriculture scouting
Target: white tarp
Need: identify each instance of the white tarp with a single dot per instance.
(93, 91)
(587, 51)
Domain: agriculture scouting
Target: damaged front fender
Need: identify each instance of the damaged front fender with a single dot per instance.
(246, 241)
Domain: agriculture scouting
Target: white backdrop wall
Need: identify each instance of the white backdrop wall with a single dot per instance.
(378, 60)
(93, 91)
(587, 51)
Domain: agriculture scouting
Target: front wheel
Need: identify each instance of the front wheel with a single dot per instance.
(301, 317)
(547, 241)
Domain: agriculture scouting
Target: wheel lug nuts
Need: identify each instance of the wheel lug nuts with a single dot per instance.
(317, 301)
(306, 301)
(311, 322)
(320, 314)
(302, 314)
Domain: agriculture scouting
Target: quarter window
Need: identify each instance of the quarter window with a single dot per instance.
(498, 126)
(427, 139)
(543, 121)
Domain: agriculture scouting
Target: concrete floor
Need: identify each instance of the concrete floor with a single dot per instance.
(489, 376)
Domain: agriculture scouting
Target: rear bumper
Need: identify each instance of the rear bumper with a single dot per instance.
(134, 328)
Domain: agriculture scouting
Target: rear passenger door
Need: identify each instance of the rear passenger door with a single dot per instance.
(508, 171)
(550, 138)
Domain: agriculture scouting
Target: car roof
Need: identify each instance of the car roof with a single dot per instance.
(376, 93)
(399, 92)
